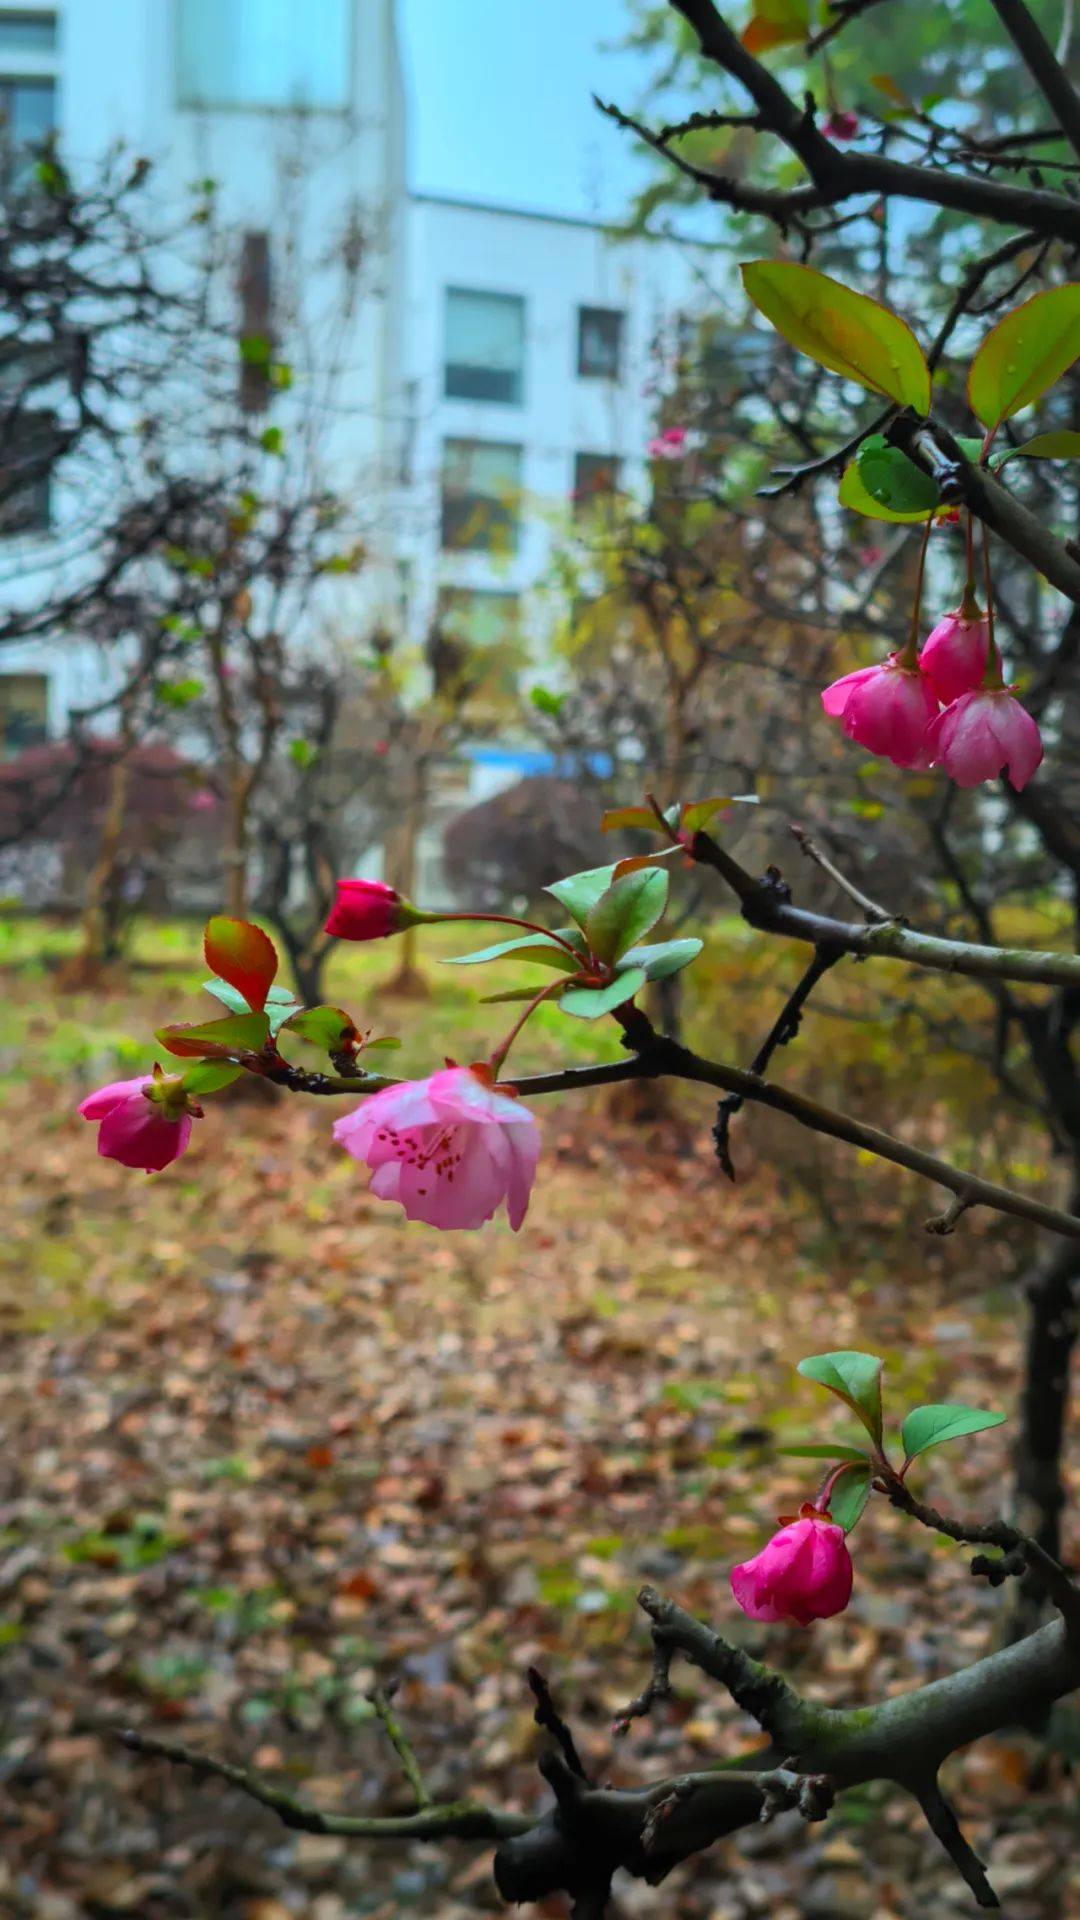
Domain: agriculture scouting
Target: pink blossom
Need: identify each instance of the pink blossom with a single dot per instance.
(803, 1574)
(449, 1149)
(985, 733)
(669, 445)
(364, 910)
(136, 1128)
(841, 125)
(887, 709)
(203, 800)
(955, 654)
(869, 556)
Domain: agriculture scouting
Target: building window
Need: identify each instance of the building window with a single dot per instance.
(24, 711)
(31, 445)
(485, 346)
(27, 32)
(475, 642)
(481, 488)
(599, 350)
(264, 53)
(596, 478)
(27, 118)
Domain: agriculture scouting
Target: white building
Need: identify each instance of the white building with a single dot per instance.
(500, 361)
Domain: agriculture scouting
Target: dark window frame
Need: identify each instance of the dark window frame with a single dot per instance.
(486, 512)
(464, 380)
(587, 368)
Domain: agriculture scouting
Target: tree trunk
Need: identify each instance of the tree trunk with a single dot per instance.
(100, 916)
(236, 849)
(1053, 1299)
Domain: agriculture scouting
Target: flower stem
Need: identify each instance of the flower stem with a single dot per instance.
(992, 676)
(909, 652)
(497, 1060)
(509, 920)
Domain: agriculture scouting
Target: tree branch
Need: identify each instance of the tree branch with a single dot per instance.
(1039, 58)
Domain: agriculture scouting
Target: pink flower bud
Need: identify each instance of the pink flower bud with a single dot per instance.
(887, 709)
(365, 910)
(449, 1149)
(140, 1125)
(955, 654)
(841, 125)
(986, 733)
(804, 1573)
(669, 445)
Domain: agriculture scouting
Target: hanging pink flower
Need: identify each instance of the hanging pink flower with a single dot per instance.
(141, 1126)
(449, 1149)
(841, 125)
(669, 445)
(955, 654)
(887, 709)
(365, 910)
(986, 733)
(803, 1574)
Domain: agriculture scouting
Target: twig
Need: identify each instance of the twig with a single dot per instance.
(783, 1030)
(548, 1716)
(1060, 1589)
(456, 1820)
(809, 847)
(944, 1825)
(380, 1698)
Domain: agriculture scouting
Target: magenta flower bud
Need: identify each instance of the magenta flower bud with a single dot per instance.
(986, 733)
(140, 1125)
(803, 1574)
(954, 656)
(449, 1149)
(887, 709)
(841, 125)
(669, 445)
(366, 910)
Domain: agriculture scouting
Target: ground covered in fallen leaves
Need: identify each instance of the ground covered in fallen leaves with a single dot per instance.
(264, 1445)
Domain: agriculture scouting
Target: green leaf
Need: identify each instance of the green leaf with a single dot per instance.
(254, 349)
(538, 947)
(853, 494)
(579, 892)
(1062, 445)
(272, 440)
(855, 1378)
(547, 702)
(178, 693)
(845, 331)
(302, 753)
(776, 23)
(892, 479)
(930, 1426)
(1024, 354)
(327, 1027)
(588, 1003)
(216, 1039)
(627, 909)
(663, 959)
(616, 818)
(849, 1495)
(240, 953)
(698, 813)
(208, 1077)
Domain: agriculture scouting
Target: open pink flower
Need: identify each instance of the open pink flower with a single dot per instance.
(803, 1574)
(136, 1129)
(955, 654)
(986, 733)
(887, 709)
(449, 1149)
(364, 910)
(669, 445)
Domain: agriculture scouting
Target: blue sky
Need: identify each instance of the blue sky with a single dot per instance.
(500, 102)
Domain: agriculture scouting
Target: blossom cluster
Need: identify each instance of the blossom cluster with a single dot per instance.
(942, 705)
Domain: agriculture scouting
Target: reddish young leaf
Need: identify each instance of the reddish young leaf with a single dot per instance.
(241, 955)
